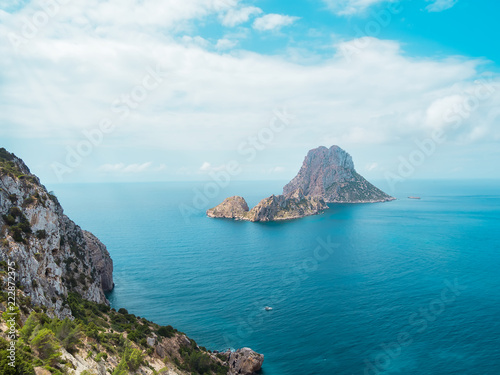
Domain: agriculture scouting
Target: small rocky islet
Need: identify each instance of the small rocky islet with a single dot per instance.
(327, 176)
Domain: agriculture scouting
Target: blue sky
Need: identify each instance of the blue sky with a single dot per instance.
(180, 89)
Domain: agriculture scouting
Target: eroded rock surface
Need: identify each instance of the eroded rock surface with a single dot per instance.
(329, 173)
(53, 255)
(245, 362)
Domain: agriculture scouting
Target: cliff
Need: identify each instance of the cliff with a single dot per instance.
(53, 255)
(273, 208)
(55, 313)
(330, 174)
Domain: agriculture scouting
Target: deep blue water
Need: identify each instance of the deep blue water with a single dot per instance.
(337, 310)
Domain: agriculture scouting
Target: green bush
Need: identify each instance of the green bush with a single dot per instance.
(47, 346)
(9, 219)
(68, 333)
(101, 356)
(121, 369)
(133, 358)
(24, 360)
(166, 331)
(29, 326)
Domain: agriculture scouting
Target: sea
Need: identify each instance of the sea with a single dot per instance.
(404, 287)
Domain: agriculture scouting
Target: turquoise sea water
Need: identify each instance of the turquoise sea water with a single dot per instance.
(405, 287)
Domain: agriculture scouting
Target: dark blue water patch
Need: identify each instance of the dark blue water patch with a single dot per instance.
(336, 311)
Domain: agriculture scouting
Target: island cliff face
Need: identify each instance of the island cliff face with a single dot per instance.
(274, 208)
(54, 256)
(330, 174)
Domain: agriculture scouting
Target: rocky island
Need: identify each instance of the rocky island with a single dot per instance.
(55, 316)
(326, 176)
(329, 173)
(276, 207)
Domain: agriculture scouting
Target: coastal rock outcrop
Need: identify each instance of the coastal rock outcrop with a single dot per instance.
(101, 259)
(273, 208)
(330, 174)
(245, 362)
(285, 207)
(232, 208)
(53, 255)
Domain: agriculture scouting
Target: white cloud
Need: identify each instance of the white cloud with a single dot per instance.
(224, 43)
(273, 22)
(440, 110)
(372, 166)
(207, 167)
(127, 168)
(352, 7)
(235, 17)
(195, 40)
(276, 170)
(152, 12)
(66, 79)
(440, 5)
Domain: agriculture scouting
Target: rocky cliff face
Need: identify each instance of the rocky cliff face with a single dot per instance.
(273, 208)
(330, 174)
(52, 254)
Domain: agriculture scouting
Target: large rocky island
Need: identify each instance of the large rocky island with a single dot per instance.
(55, 315)
(329, 173)
(326, 176)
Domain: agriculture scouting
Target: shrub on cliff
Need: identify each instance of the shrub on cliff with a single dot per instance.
(24, 359)
(132, 359)
(46, 346)
(68, 333)
(166, 331)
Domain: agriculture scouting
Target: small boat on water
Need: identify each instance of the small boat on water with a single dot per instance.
(413, 197)
(267, 308)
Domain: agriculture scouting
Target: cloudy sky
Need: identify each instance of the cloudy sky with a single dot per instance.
(146, 90)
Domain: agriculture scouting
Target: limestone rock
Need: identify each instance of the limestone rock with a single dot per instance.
(330, 174)
(52, 254)
(41, 371)
(245, 362)
(292, 206)
(273, 208)
(101, 259)
(232, 208)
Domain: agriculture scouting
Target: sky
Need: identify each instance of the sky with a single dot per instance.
(195, 90)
